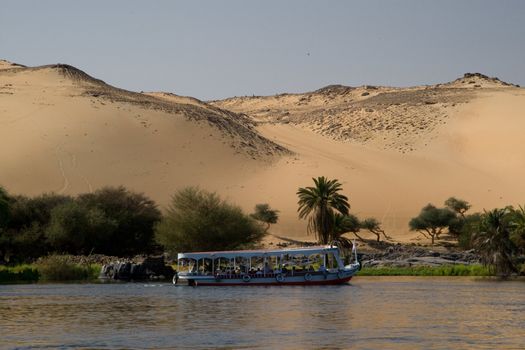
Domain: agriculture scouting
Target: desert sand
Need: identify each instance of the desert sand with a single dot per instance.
(393, 149)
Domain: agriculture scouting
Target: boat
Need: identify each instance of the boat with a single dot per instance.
(318, 265)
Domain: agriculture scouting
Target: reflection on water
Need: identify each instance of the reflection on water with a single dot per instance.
(370, 313)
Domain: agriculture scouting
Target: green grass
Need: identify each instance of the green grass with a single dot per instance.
(446, 270)
(18, 274)
(59, 268)
(55, 268)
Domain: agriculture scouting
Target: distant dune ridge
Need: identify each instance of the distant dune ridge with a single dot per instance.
(393, 149)
(386, 117)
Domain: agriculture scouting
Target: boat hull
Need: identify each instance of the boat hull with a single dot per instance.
(302, 279)
(297, 283)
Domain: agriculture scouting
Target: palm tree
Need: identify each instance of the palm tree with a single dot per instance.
(320, 204)
(518, 227)
(493, 241)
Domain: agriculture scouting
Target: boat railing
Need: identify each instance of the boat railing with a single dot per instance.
(259, 274)
(267, 275)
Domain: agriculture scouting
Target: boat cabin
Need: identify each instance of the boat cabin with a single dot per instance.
(261, 263)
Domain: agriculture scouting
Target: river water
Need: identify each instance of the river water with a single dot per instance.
(369, 313)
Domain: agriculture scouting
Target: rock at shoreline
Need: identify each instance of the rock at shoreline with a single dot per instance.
(151, 268)
(406, 256)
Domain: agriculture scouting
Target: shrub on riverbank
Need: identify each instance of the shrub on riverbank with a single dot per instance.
(17, 274)
(60, 268)
(111, 221)
(446, 270)
(198, 220)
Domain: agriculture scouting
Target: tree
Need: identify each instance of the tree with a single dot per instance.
(459, 206)
(517, 224)
(26, 211)
(29, 243)
(4, 219)
(469, 226)
(135, 215)
(4, 208)
(200, 220)
(432, 221)
(320, 204)
(24, 237)
(77, 229)
(374, 226)
(493, 242)
(344, 224)
(265, 214)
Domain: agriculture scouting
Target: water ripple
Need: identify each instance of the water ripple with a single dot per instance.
(371, 313)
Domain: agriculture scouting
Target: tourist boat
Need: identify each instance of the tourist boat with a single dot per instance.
(319, 265)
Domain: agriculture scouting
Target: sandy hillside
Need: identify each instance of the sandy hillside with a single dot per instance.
(393, 149)
(67, 132)
(396, 149)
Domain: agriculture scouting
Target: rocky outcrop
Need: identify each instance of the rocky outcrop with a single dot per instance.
(406, 256)
(151, 268)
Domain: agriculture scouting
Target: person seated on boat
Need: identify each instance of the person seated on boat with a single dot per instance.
(311, 268)
(322, 268)
(284, 269)
(258, 272)
(266, 268)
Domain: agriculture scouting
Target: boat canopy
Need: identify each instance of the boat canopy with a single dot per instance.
(258, 253)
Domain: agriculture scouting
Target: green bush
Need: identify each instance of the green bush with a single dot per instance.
(59, 268)
(133, 215)
(200, 220)
(20, 273)
(76, 229)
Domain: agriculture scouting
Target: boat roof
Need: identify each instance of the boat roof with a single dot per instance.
(257, 253)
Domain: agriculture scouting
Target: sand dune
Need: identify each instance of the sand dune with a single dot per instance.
(417, 145)
(393, 149)
(67, 132)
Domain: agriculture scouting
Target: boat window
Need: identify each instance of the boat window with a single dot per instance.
(187, 265)
(332, 261)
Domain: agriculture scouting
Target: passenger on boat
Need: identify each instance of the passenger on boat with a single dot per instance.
(266, 268)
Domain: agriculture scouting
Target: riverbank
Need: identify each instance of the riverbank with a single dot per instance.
(37, 273)
(19, 274)
(54, 268)
(62, 268)
(445, 270)
(377, 259)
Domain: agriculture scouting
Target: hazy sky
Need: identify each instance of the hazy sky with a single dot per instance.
(216, 49)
